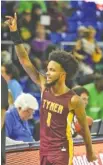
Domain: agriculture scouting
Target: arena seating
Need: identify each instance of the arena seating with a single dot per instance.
(95, 129)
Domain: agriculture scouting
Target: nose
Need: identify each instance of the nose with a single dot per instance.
(47, 73)
(86, 102)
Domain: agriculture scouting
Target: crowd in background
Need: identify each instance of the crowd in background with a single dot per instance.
(43, 25)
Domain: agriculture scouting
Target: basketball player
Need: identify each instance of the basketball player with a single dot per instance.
(58, 105)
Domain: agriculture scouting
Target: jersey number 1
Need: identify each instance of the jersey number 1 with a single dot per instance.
(49, 119)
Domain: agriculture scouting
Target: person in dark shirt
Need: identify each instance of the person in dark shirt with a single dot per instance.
(58, 106)
(4, 106)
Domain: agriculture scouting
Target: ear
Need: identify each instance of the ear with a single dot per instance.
(63, 75)
(19, 108)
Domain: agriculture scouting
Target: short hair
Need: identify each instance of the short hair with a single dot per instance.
(79, 90)
(6, 57)
(12, 70)
(66, 60)
(25, 101)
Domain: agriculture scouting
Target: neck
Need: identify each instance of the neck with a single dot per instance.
(7, 79)
(90, 39)
(59, 89)
(19, 113)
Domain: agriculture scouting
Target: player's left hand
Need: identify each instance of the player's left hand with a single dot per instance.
(91, 157)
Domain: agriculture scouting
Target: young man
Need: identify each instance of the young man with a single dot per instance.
(58, 104)
(84, 95)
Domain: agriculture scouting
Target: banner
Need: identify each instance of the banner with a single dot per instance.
(80, 155)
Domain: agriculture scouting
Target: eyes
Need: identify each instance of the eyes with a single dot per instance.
(51, 69)
(29, 112)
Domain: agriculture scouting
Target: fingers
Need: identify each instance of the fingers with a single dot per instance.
(15, 16)
(7, 22)
(9, 17)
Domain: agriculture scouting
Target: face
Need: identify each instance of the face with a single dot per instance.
(92, 33)
(54, 74)
(27, 17)
(84, 97)
(26, 114)
(3, 72)
(38, 11)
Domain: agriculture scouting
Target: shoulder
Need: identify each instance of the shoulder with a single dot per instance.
(10, 112)
(3, 81)
(14, 83)
(76, 101)
(44, 89)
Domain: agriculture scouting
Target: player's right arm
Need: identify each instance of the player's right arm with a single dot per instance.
(36, 77)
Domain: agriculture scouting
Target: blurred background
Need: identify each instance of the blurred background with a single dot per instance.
(75, 26)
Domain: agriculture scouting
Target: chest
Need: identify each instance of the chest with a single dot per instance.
(88, 47)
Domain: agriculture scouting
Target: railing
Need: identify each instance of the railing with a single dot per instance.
(9, 44)
(62, 44)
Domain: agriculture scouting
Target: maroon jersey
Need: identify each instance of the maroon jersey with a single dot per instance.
(53, 121)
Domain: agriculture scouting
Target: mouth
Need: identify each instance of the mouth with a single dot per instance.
(48, 79)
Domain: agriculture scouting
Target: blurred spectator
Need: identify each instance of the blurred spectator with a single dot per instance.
(6, 57)
(81, 31)
(11, 75)
(84, 94)
(24, 5)
(38, 46)
(65, 8)
(25, 24)
(95, 106)
(35, 14)
(27, 5)
(16, 118)
(87, 49)
(58, 20)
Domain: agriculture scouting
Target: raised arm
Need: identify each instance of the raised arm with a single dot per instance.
(36, 77)
(79, 110)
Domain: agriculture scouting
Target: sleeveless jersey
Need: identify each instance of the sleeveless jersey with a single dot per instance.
(53, 122)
